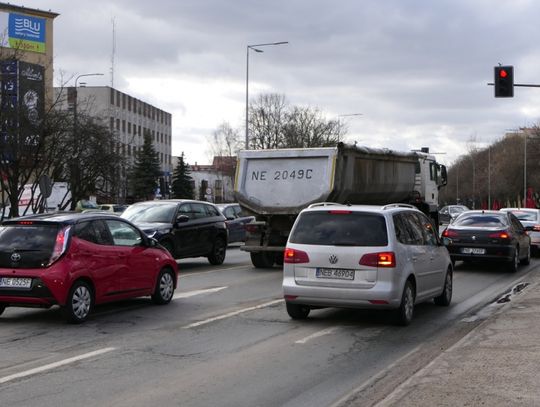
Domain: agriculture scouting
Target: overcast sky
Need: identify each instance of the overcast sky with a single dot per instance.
(417, 71)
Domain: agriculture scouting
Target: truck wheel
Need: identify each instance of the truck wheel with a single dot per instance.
(262, 260)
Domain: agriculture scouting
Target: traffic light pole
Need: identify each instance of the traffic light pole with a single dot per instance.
(523, 85)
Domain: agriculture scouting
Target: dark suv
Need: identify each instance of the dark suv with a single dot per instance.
(186, 228)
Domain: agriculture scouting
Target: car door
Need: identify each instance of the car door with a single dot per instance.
(438, 260)
(139, 269)
(419, 253)
(186, 232)
(234, 224)
(522, 236)
(94, 254)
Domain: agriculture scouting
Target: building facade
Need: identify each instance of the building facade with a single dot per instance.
(129, 119)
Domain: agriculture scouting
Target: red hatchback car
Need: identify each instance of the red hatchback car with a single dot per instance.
(78, 260)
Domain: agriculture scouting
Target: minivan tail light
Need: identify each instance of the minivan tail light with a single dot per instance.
(60, 245)
(295, 256)
(381, 259)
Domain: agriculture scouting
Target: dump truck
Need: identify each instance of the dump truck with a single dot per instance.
(275, 185)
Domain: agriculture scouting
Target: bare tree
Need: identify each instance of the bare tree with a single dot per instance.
(273, 123)
(225, 141)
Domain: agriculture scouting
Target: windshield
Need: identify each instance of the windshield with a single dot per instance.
(343, 229)
(481, 220)
(526, 216)
(150, 213)
(33, 243)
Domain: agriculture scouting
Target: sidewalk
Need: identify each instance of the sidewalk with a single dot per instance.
(496, 364)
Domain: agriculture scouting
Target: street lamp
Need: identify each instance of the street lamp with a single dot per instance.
(75, 99)
(255, 48)
(74, 162)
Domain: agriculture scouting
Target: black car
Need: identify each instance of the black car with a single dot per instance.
(186, 228)
(488, 236)
(236, 221)
(448, 213)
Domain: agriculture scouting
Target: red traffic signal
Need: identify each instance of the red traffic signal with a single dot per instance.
(504, 81)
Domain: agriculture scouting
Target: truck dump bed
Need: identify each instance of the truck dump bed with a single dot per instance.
(283, 182)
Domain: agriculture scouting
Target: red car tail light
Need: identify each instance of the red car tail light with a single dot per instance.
(501, 235)
(536, 228)
(295, 256)
(449, 233)
(382, 259)
(60, 245)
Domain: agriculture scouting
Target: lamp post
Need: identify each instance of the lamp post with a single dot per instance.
(75, 99)
(74, 164)
(254, 47)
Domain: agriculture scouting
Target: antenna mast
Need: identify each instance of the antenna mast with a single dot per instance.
(113, 50)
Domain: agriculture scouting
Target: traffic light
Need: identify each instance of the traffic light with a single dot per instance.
(504, 81)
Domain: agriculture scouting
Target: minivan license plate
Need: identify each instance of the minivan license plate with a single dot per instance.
(337, 274)
(15, 282)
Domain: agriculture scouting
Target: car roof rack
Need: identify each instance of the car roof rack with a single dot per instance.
(398, 205)
(318, 204)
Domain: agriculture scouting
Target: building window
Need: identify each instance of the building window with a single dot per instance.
(118, 124)
(129, 103)
(112, 96)
(123, 101)
(129, 128)
(112, 123)
(140, 131)
(117, 98)
(123, 126)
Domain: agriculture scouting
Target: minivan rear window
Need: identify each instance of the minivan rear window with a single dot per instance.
(340, 229)
(34, 244)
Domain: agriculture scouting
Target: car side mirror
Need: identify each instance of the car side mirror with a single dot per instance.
(151, 242)
(529, 228)
(182, 219)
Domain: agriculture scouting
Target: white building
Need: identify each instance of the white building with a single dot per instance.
(128, 117)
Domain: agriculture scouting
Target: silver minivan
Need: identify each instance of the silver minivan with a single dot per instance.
(361, 256)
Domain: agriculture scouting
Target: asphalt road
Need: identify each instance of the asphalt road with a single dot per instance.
(226, 340)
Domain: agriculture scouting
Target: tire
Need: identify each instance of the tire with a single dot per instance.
(527, 260)
(2, 309)
(219, 251)
(164, 290)
(79, 303)
(168, 244)
(297, 311)
(405, 312)
(514, 263)
(446, 296)
(262, 260)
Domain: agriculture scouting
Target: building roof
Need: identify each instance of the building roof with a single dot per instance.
(33, 11)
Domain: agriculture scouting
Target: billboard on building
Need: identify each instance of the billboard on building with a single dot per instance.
(20, 31)
(22, 93)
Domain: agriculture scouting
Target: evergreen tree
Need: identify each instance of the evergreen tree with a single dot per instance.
(146, 171)
(182, 183)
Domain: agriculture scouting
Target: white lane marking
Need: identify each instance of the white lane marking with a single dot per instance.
(188, 294)
(316, 335)
(50, 366)
(232, 314)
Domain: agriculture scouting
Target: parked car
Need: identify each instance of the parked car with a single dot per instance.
(448, 213)
(78, 260)
(235, 222)
(530, 219)
(186, 228)
(483, 235)
(114, 208)
(360, 257)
